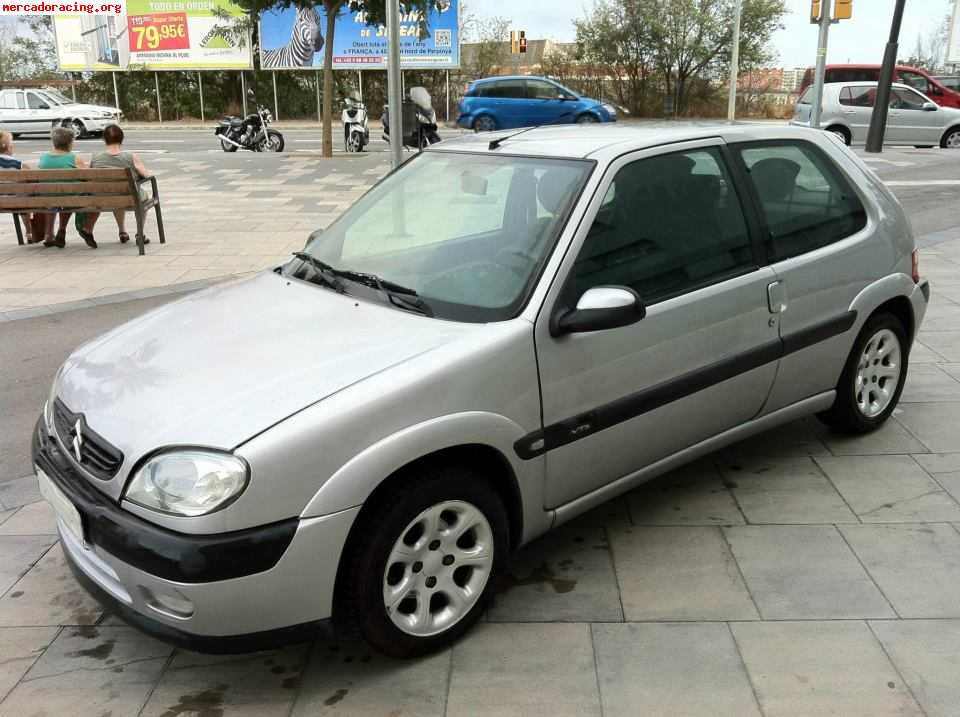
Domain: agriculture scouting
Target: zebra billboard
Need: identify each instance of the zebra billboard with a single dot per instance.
(292, 39)
(154, 35)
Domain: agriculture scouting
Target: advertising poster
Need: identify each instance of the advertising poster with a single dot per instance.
(293, 39)
(953, 47)
(154, 35)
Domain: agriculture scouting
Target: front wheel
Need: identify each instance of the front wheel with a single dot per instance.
(79, 129)
(227, 147)
(873, 377)
(951, 139)
(587, 119)
(424, 562)
(484, 123)
(274, 141)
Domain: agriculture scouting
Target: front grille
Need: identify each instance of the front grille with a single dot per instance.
(97, 456)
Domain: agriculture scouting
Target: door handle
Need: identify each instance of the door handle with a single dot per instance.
(776, 297)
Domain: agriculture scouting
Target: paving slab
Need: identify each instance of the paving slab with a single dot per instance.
(929, 382)
(804, 572)
(524, 670)
(18, 554)
(933, 424)
(47, 595)
(889, 489)
(945, 343)
(801, 669)
(260, 684)
(18, 492)
(347, 678)
(926, 654)
(566, 576)
(937, 463)
(671, 669)
(890, 439)
(679, 573)
(916, 566)
(20, 647)
(32, 519)
(803, 437)
(785, 490)
(78, 650)
(691, 495)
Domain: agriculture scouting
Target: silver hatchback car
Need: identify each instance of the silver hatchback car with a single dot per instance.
(912, 118)
(507, 331)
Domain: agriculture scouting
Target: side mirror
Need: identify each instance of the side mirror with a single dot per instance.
(600, 308)
(43, 106)
(930, 107)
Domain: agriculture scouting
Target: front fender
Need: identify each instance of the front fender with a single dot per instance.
(353, 483)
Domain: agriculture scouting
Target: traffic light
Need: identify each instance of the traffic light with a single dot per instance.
(514, 42)
(523, 42)
(814, 10)
(843, 10)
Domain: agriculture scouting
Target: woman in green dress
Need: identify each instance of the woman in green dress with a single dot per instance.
(60, 157)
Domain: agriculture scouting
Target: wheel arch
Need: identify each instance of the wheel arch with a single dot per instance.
(834, 126)
(891, 293)
(947, 133)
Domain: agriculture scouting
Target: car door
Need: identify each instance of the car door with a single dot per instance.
(669, 224)
(15, 117)
(914, 124)
(41, 115)
(857, 109)
(817, 234)
(545, 104)
(509, 99)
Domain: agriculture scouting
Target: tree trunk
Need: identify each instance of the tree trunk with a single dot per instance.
(332, 7)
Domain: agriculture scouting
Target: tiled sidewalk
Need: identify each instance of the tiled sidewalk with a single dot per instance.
(222, 216)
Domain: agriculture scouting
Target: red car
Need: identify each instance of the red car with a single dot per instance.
(913, 76)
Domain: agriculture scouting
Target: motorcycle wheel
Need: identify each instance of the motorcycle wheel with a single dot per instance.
(274, 141)
(355, 143)
(227, 147)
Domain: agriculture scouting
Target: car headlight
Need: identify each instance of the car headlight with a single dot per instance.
(610, 109)
(188, 482)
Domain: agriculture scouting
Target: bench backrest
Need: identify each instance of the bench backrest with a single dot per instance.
(23, 189)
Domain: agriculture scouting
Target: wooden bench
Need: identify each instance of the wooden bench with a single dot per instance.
(49, 191)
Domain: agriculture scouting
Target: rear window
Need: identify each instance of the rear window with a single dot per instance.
(854, 74)
(505, 88)
(806, 97)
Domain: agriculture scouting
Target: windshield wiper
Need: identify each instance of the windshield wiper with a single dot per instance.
(326, 273)
(401, 296)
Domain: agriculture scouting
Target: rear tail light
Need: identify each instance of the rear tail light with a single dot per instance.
(915, 269)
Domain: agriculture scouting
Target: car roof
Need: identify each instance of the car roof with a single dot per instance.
(484, 80)
(865, 83)
(607, 140)
(869, 66)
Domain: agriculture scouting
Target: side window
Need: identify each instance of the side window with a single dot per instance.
(35, 102)
(21, 105)
(901, 99)
(667, 225)
(8, 100)
(915, 80)
(540, 90)
(846, 97)
(511, 89)
(805, 201)
(862, 96)
(807, 97)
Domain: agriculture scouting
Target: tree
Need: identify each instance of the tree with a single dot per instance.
(375, 13)
(27, 49)
(490, 43)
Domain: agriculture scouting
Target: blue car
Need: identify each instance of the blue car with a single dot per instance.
(506, 102)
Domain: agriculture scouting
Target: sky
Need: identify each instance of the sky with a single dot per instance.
(861, 39)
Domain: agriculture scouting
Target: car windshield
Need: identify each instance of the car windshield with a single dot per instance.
(56, 98)
(468, 233)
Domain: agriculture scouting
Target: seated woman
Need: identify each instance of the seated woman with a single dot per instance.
(113, 157)
(60, 157)
(8, 161)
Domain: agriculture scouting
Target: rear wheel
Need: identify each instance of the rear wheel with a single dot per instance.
(484, 123)
(841, 132)
(873, 377)
(423, 565)
(587, 118)
(951, 138)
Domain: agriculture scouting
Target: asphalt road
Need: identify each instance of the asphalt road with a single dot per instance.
(926, 181)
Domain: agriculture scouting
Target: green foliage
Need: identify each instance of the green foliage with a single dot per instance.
(27, 49)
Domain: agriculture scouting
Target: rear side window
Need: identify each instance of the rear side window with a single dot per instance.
(8, 100)
(506, 89)
(858, 96)
(805, 201)
(806, 97)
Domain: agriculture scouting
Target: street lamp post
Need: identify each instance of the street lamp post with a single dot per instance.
(878, 120)
(825, 16)
(734, 62)
(394, 91)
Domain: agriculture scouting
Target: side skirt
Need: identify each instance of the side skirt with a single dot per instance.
(806, 407)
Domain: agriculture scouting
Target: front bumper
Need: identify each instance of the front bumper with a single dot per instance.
(98, 124)
(228, 595)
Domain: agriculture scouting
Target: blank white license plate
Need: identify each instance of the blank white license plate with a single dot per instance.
(64, 509)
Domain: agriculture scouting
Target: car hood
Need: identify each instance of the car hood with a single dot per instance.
(88, 109)
(222, 365)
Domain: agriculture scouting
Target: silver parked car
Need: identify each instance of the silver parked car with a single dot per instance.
(509, 330)
(912, 119)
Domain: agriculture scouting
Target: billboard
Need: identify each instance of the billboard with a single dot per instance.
(293, 39)
(953, 46)
(154, 35)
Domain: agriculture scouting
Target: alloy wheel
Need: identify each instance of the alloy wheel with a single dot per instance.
(878, 373)
(953, 140)
(438, 568)
(484, 124)
(78, 129)
(586, 119)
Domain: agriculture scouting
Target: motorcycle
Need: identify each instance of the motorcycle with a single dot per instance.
(418, 119)
(252, 132)
(356, 134)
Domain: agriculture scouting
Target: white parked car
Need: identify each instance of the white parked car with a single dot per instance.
(913, 118)
(35, 111)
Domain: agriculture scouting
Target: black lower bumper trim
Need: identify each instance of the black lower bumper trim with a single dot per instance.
(158, 551)
(213, 645)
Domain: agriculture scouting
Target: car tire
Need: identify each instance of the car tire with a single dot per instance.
(865, 399)
(396, 557)
(484, 123)
(841, 132)
(951, 139)
(587, 118)
(79, 129)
